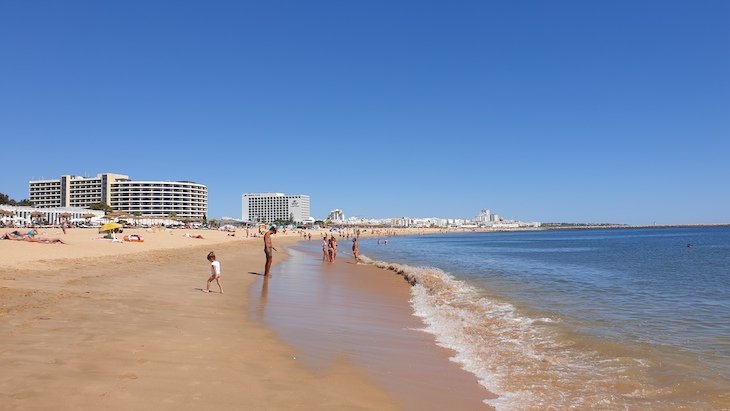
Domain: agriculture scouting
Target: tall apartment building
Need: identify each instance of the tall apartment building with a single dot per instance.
(185, 199)
(269, 207)
(336, 216)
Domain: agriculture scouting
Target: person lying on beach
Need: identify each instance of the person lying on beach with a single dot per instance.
(16, 236)
(194, 236)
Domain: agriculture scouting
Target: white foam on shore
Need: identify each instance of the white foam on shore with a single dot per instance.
(520, 359)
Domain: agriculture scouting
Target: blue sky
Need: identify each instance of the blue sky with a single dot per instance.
(544, 111)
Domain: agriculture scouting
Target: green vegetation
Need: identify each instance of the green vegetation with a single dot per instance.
(5, 199)
(280, 222)
(101, 206)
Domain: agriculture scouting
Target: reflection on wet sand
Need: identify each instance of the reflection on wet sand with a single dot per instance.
(341, 311)
(263, 297)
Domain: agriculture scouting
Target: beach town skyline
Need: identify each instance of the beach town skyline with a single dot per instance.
(187, 200)
(556, 112)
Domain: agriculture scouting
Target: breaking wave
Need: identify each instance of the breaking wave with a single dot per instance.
(527, 362)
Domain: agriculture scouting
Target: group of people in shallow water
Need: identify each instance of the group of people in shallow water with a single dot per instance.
(329, 249)
(329, 253)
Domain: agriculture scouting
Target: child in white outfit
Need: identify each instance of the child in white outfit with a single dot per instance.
(215, 273)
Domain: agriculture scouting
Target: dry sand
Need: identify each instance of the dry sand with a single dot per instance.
(100, 325)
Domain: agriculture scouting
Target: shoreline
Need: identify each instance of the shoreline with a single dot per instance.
(361, 313)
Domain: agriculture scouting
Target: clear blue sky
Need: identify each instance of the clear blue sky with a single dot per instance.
(573, 111)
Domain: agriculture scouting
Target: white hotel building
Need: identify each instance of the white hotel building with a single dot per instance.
(184, 199)
(270, 207)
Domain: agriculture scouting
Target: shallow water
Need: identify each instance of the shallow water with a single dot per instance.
(629, 318)
(360, 314)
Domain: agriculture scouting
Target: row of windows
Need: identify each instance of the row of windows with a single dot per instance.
(148, 193)
(274, 202)
(157, 196)
(164, 210)
(175, 206)
(269, 208)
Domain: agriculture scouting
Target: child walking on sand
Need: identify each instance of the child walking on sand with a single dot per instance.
(215, 273)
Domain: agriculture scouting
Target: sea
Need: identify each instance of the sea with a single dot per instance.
(630, 318)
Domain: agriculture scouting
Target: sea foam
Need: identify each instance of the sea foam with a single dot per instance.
(518, 358)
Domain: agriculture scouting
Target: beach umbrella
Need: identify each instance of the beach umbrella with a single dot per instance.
(109, 227)
(116, 214)
(7, 215)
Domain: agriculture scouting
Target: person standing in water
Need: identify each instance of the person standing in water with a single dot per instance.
(356, 250)
(333, 248)
(268, 251)
(325, 249)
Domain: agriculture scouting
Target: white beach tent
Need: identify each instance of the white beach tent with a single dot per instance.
(15, 220)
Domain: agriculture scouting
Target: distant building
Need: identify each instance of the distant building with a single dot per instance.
(484, 217)
(336, 216)
(269, 207)
(23, 215)
(183, 199)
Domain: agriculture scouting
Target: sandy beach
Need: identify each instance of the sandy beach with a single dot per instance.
(93, 324)
(116, 325)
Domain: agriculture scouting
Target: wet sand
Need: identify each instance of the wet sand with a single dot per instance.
(360, 314)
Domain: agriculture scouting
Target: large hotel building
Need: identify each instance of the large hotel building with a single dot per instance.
(184, 199)
(270, 207)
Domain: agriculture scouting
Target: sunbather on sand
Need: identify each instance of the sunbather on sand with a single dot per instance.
(17, 236)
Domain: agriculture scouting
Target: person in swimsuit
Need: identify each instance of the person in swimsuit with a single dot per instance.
(325, 249)
(356, 250)
(268, 251)
(215, 273)
(333, 248)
